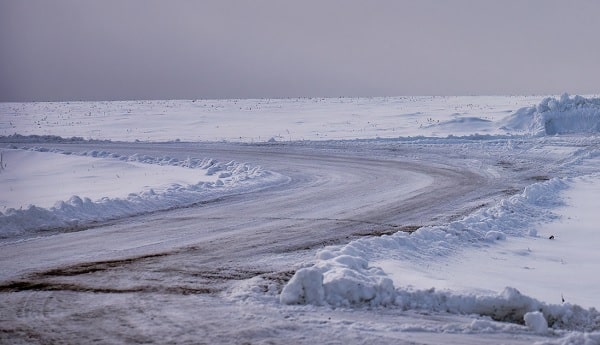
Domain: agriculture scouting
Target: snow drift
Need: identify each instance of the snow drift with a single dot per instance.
(566, 115)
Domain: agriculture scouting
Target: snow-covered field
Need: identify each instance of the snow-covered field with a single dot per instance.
(433, 220)
(277, 119)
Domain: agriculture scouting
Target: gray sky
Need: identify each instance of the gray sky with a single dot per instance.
(146, 49)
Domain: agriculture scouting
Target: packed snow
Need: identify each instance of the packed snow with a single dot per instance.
(529, 260)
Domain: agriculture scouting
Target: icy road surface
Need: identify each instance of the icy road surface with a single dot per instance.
(176, 275)
(332, 196)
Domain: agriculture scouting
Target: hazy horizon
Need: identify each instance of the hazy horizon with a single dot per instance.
(298, 97)
(71, 50)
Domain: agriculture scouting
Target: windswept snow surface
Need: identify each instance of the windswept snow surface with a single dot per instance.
(261, 120)
(42, 190)
(517, 268)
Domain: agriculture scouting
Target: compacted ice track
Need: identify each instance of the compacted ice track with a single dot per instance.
(332, 197)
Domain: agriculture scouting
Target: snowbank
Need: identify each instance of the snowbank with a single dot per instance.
(82, 210)
(509, 306)
(342, 276)
(552, 116)
(341, 280)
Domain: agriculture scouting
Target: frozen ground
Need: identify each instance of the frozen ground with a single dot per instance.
(431, 226)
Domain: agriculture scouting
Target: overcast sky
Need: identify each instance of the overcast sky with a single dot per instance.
(145, 49)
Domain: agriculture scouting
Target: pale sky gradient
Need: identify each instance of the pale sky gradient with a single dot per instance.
(147, 49)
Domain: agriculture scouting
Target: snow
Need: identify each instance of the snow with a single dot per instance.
(32, 177)
(509, 216)
(468, 262)
(42, 190)
(585, 338)
(551, 116)
(274, 120)
(536, 321)
(548, 269)
(302, 118)
(530, 258)
(344, 277)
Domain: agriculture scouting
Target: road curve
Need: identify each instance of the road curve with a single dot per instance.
(168, 276)
(333, 196)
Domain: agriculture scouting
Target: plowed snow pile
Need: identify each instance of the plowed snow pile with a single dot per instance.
(551, 116)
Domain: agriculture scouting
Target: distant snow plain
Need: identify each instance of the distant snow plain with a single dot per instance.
(520, 269)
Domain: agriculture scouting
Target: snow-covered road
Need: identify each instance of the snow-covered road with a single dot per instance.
(333, 196)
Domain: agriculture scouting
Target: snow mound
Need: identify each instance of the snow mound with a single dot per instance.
(459, 126)
(566, 115)
(536, 321)
(81, 211)
(461, 122)
(342, 280)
